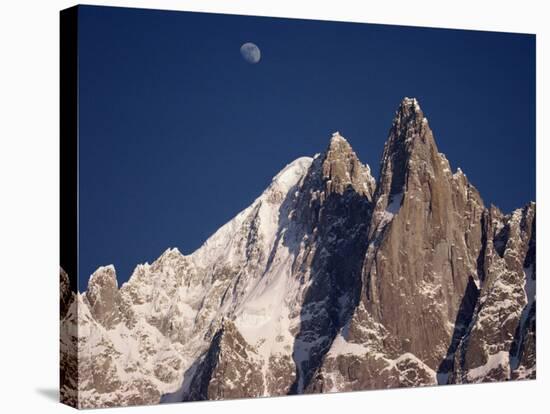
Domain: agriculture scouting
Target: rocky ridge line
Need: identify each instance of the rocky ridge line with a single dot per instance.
(329, 281)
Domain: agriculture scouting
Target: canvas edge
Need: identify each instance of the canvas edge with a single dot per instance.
(68, 181)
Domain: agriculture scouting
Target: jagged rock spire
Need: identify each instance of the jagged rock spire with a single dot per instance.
(425, 238)
(342, 168)
(103, 296)
(410, 140)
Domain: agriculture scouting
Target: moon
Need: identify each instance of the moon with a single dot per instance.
(251, 53)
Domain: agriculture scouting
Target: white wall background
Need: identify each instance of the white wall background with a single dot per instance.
(29, 159)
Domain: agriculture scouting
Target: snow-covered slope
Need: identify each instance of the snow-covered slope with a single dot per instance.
(328, 281)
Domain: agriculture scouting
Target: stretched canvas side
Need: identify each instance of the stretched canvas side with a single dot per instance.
(68, 306)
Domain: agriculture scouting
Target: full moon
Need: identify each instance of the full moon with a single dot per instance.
(250, 52)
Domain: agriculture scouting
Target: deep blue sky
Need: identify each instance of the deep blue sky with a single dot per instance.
(178, 133)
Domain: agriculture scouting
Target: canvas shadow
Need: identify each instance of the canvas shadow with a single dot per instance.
(51, 394)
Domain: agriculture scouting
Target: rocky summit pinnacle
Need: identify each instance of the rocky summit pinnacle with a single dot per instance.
(342, 168)
(410, 144)
(329, 281)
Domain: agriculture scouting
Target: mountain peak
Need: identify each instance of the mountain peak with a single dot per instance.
(410, 107)
(291, 174)
(341, 168)
(410, 142)
(337, 138)
(103, 276)
(409, 115)
(170, 253)
(411, 103)
(103, 296)
(339, 145)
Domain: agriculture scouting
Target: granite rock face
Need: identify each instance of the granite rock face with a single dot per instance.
(330, 281)
(499, 343)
